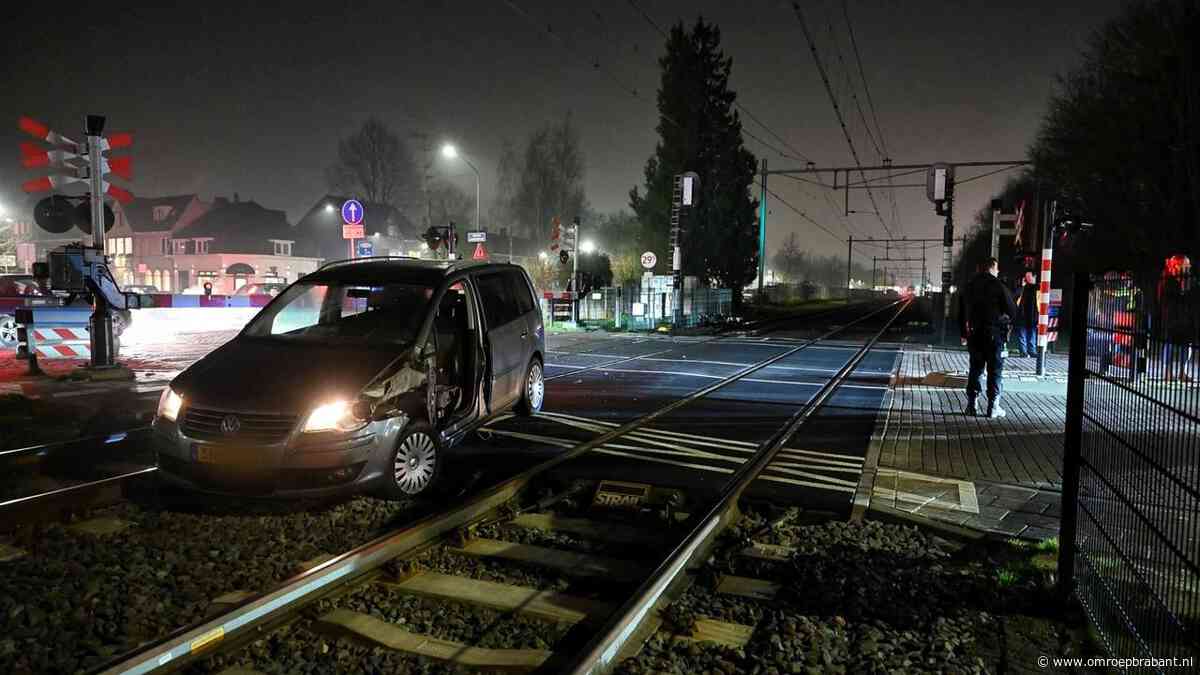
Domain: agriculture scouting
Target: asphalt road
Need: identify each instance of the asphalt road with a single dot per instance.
(697, 447)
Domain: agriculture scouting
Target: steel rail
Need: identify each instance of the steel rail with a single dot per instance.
(57, 493)
(189, 642)
(759, 325)
(46, 448)
(600, 654)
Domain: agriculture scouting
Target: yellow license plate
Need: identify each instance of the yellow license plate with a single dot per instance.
(210, 454)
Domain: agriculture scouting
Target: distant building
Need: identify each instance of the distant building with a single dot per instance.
(388, 229)
(142, 240)
(236, 243)
(176, 243)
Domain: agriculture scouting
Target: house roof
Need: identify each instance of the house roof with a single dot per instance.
(139, 213)
(321, 227)
(240, 227)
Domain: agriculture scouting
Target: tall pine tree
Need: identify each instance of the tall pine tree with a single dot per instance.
(700, 131)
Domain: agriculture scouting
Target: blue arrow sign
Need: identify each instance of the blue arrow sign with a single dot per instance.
(352, 212)
(365, 249)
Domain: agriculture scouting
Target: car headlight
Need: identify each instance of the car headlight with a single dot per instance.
(169, 404)
(334, 416)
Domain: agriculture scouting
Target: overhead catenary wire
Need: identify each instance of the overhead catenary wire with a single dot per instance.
(862, 76)
(837, 110)
(804, 215)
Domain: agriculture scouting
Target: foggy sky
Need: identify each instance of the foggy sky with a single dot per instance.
(252, 97)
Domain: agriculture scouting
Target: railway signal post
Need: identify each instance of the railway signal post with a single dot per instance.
(81, 268)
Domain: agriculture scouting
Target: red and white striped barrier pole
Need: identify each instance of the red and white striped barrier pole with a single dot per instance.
(1044, 294)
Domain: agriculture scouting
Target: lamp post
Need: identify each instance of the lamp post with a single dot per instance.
(451, 152)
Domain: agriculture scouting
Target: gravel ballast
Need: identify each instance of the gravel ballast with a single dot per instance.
(871, 598)
(77, 599)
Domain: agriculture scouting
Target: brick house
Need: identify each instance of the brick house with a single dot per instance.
(141, 241)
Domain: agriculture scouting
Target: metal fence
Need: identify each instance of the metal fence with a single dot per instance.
(1131, 494)
(783, 293)
(632, 308)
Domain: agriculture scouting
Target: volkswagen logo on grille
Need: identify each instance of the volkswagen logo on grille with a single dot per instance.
(230, 425)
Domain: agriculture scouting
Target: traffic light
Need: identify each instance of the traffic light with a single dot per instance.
(555, 234)
(564, 257)
(208, 288)
(432, 238)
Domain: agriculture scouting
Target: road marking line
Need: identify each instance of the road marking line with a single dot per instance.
(852, 484)
(742, 365)
(804, 483)
(816, 453)
(818, 464)
(632, 451)
(712, 377)
(840, 459)
(702, 467)
(662, 432)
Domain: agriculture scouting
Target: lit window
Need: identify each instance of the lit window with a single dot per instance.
(282, 248)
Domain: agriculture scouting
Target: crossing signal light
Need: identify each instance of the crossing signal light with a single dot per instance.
(555, 233)
(564, 257)
(433, 238)
(71, 161)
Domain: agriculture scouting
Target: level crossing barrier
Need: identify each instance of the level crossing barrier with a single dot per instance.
(53, 333)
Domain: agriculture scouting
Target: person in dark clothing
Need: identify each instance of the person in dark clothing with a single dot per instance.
(985, 316)
(1027, 316)
(1177, 311)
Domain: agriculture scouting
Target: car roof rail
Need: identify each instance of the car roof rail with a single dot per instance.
(370, 258)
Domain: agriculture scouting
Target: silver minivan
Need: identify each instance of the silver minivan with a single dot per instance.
(361, 375)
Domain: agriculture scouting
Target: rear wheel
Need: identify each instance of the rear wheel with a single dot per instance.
(416, 463)
(533, 394)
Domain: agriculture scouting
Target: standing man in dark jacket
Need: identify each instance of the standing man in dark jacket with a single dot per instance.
(1027, 316)
(985, 316)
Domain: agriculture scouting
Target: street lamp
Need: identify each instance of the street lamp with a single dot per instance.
(542, 255)
(451, 152)
(587, 246)
(329, 208)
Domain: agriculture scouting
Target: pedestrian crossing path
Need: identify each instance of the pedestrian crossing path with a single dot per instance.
(820, 470)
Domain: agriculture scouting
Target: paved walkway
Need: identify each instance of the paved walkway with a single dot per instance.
(1000, 476)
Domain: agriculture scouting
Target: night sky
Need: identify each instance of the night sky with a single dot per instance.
(252, 97)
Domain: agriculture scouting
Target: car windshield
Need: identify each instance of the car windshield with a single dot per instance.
(369, 313)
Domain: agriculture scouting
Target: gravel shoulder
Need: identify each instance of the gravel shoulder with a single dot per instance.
(77, 599)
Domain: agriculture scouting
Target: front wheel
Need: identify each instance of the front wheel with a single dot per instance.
(533, 394)
(416, 463)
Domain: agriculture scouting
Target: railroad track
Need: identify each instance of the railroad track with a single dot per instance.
(71, 476)
(772, 324)
(594, 586)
